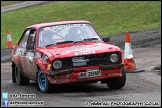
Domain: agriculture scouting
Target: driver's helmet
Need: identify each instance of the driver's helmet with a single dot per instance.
(47, 36)
(74, 34)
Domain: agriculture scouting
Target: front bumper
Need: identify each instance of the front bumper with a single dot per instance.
(71, 75)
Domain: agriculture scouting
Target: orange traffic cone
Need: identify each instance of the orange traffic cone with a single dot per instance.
(9, 40)
(129, 63)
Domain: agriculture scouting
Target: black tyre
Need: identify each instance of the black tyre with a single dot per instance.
(117, 83)
(43, 83)
(20, 79)
(13, 73)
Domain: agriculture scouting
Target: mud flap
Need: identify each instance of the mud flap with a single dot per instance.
(37, 82)
(13, 73)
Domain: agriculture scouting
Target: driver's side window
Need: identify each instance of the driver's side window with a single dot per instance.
(27, 38)
(31, 38)
(23, 41)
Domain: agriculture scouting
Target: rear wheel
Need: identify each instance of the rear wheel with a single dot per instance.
(117, 83)
(43, 83)
(20, 79)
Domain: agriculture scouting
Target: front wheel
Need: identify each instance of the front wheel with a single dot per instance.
(117, 83)
(43, 83)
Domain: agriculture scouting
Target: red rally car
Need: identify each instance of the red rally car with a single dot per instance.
(66, 52)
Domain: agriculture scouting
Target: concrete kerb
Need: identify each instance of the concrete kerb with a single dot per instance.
(6, 54)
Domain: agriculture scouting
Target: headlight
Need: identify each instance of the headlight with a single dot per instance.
(57, 64)
(114, 57)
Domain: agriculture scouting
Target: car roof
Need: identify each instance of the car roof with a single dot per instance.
(57, 23)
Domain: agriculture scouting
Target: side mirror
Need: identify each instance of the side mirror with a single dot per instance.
(29, 47)
(106, 39)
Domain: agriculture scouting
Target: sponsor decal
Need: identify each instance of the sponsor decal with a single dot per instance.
(18, 51)
(85, 52)
(67, 25)
(47, 28)
(81, 50)
(30, 56)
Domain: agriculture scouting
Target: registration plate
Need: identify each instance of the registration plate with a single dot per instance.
(90, 73)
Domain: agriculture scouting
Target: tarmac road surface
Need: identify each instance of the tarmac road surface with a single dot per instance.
(21, 5)
(143, 88)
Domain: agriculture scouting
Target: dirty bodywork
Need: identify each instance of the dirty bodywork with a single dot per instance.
(66, 52)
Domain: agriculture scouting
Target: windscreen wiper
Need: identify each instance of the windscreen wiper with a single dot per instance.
(50, 45)
(64, 42)
(90, 39)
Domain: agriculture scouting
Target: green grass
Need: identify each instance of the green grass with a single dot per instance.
(108, 17)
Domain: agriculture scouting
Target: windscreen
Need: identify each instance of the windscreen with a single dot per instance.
(65, 33)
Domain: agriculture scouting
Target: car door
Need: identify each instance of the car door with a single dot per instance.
(30, 55)
(27, 56)
(21, 51)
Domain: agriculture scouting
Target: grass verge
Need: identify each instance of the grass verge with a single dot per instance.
(108, 17)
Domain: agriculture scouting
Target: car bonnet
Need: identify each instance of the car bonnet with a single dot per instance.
(79, 50)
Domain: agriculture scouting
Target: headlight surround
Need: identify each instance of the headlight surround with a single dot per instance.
(114, 57)
(38, 54)
(45, 59)
(57, 64)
